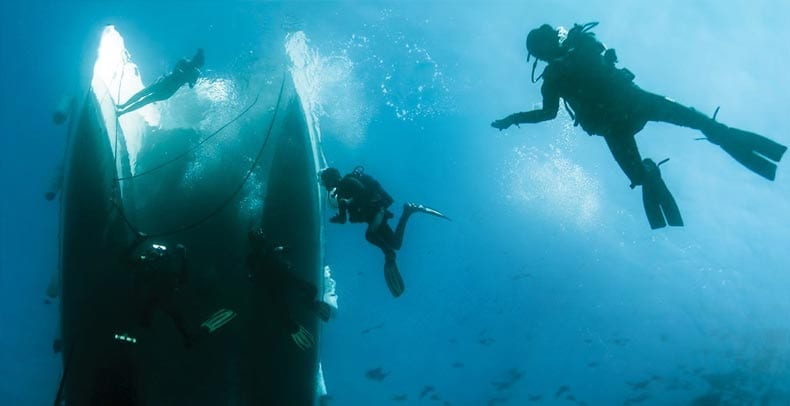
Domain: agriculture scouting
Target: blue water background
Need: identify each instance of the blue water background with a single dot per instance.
(548, 268)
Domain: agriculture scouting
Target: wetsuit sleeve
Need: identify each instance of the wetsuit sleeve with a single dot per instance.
(551, 104)
(128, 256)
(348, 191)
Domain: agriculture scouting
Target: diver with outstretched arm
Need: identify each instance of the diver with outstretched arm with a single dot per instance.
(361, 199)
(269, 267)
(185, 72)
(604, 100)
(159, 273)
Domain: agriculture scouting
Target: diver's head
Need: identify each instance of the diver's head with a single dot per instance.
(544, 43)
(199, 59)
(153, 252)
(330, 177)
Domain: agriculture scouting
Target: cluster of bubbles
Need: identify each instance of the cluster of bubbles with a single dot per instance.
(411, 83)
(330, 90)
(547, 180)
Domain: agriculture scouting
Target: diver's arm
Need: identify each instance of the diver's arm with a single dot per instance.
(342, 212)
(128, 256)
(551, 105)
(346, 191)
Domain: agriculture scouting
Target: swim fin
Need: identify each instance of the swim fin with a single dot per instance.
(393, 278)
(752, 150)
(323, 310)
(658, 201)
(218, 319)
(303, 339)
(411, 208)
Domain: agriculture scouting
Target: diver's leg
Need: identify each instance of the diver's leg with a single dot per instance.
(393, 240)
(378, 238)
(626, 153)
(144, 97)
(140, 103)
(147, 311)
(307, 295)
(381, 237)
(400, 229)
(145, 92)
(165, 90)
(168, 305)
(658, 202)
(663, 109)
(305, 290)
(279, 305)
(742, 145)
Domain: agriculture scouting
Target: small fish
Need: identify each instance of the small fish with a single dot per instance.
(377, 374)
(426, 390)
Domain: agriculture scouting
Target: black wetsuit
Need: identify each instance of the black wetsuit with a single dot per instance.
(365, 201)
(157, 278)
(185, 72)
(269, 268)
(605, 101)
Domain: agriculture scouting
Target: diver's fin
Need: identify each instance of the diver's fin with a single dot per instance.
(419, 208)
(303, 339)
(753, 151)
(393, 278)
(218, 319)
(651, 200)
(660, 206)
(323, 310)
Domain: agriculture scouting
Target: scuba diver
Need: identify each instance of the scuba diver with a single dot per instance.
(185, 72)
(269, 267)
(605, 101)
(361, 199)
(159, 273)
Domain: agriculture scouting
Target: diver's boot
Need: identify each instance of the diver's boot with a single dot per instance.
(657, 200)
(752, 150)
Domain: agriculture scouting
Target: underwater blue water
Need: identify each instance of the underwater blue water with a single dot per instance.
(548, 287)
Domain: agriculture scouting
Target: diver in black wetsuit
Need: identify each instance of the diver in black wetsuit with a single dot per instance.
(185, 72)
(361, 199)
(604, 101)
(269, 268)
(159, 273)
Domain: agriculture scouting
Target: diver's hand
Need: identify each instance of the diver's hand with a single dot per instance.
(338, 219)
(503, 123)
(303, 339)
